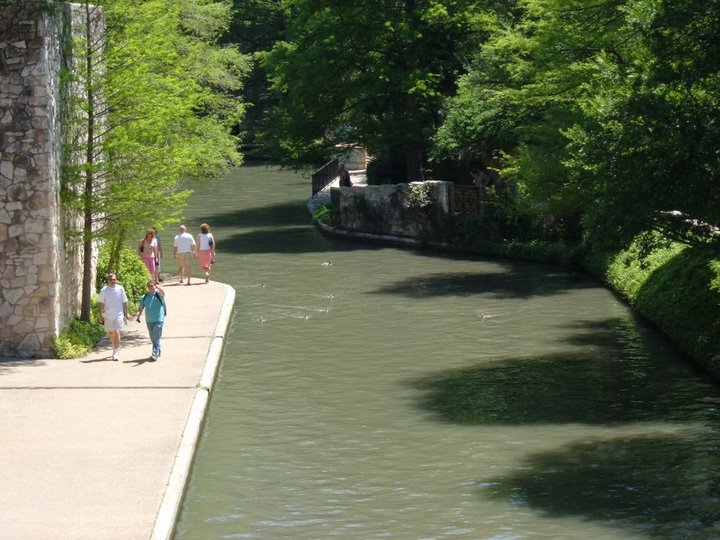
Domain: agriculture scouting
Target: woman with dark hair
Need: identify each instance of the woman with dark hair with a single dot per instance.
(206, 249)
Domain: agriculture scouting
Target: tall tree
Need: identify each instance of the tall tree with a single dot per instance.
(648, 150)
(156, 107)
(372, 72)
(603, 108)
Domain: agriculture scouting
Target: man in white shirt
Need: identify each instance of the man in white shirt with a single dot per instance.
(183, 250)
(113, 311)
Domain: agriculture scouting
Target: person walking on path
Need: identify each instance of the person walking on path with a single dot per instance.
(206, 249)
(153, 303)
(148, 250)
(183, 250)
(113, 312)
(158, 258)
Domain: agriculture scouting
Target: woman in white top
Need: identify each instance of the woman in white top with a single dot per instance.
(206, 249)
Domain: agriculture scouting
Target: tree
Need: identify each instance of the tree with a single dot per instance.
(373, 72)
(604, 110)
(156, 108)
(650, 142)
(256, 26)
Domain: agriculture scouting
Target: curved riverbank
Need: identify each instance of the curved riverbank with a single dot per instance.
(675, 288)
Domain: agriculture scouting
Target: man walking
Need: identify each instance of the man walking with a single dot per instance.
(113, 312)
(183, 250)
(153, 303)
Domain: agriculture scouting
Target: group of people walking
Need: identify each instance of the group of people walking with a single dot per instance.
(185, 247)
(113, 301)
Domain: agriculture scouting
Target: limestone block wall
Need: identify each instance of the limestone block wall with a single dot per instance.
(38, 278)
(407, 210)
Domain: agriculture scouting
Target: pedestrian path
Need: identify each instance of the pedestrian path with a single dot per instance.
(96, 449)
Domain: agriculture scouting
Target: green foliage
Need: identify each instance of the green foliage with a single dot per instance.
(132, 274)
(172, 106)
(606, 111)
(484, 234)
(152, 108)
(79, 339)
(419, 195)
(327, 214)
(373, 72)
(673, 285)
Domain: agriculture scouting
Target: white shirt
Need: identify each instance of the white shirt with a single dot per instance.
(205, 241)
(184, 242)
(112, 299)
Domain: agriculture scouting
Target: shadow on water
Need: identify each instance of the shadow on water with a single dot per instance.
(281, 214)
(561, 389)
(510, 281)
(617, 376)
(666, 486)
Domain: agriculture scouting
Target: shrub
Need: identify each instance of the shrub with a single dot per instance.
(78, 339)
(327, 214)
(132, 273)
(674, 286)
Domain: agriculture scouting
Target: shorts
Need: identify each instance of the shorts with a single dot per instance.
(183, 260)
(114, 325)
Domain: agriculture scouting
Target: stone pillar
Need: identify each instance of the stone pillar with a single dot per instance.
(36, 300)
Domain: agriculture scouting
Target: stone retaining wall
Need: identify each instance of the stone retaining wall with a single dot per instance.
(39, 271)
(405, 210)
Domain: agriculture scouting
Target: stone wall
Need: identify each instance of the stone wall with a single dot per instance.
(406, 210)
(39, 290)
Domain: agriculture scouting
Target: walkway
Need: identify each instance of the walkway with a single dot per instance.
(96, 449)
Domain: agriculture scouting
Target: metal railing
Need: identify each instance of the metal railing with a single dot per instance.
(325, 175)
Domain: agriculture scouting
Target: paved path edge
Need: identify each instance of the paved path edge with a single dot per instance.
(170, 506)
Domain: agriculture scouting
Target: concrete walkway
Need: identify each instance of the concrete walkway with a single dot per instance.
(96, 449)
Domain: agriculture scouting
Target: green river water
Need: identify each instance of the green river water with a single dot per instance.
(371, 392)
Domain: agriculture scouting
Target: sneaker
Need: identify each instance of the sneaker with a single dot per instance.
(116, 357)
(153, 358)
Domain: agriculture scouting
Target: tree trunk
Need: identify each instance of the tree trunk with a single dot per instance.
(87, 285)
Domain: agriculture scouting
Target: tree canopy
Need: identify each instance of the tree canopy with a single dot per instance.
(373, 72)
(154, 106)
(606, 110)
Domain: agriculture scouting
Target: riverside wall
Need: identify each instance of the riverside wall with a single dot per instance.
(402, 210)
(39, 265)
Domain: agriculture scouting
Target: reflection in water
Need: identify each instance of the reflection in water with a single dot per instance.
(371, 392)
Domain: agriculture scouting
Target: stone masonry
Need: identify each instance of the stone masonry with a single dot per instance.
(39, 281)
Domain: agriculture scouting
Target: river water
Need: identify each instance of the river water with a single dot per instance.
(374, 392)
